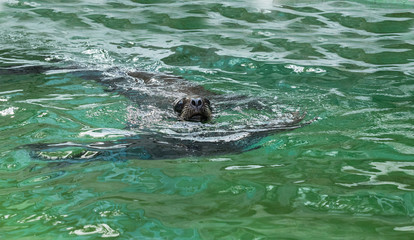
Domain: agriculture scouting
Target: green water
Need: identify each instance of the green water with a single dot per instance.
(350, 175)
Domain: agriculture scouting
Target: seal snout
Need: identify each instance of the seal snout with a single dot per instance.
(196, 109)
(196, 103)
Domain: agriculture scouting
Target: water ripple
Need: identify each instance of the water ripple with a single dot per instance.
(382, 174)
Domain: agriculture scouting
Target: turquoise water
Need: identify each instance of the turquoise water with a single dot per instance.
(350, 175)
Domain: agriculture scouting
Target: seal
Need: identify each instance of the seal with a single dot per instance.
(191, 104)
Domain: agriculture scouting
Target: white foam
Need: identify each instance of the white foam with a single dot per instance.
(296, 69)
(8, 111)
(227, 138)
(300, 69)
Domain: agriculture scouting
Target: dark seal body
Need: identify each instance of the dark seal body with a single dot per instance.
(168, 94)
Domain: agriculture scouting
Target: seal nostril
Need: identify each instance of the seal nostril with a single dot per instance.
(196, 102)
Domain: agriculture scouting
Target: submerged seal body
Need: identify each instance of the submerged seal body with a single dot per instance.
(172, 96)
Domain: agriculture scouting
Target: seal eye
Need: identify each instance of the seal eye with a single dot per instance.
(207, 101)
(178, 107)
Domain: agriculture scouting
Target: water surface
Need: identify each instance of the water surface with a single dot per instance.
(349, 175)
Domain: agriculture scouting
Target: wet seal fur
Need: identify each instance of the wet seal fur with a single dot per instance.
(193, 104)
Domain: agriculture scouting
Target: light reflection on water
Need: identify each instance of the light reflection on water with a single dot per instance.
(380, 171)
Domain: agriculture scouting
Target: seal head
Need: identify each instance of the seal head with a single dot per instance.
(195, 109)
